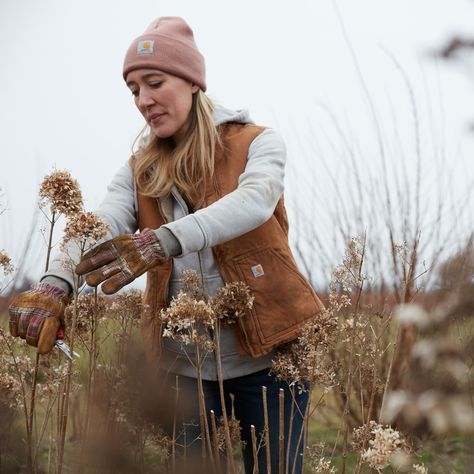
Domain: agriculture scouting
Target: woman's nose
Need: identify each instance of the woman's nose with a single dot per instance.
(145, 99)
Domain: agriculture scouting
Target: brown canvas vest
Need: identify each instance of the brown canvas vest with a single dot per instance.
(284, 300)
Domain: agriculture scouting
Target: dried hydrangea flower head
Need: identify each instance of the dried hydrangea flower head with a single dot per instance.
(305, 360)
(84, 226)
(192, 285)
(90, 308)
(189, 313)
(318, 461)
(362, 435)
(232, 301)
(348, 274)
(61, 191)
(382, 443)
(128, 307)
(419, 469)
(183, 316)
(5, 263)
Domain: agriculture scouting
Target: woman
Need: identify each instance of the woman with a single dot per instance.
(205, 190)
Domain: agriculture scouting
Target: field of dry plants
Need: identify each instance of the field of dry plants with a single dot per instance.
(389, 369)
(389, 363)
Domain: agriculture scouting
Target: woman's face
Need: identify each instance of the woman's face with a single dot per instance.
(164, 101)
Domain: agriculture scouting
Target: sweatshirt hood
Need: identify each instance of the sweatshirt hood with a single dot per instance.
(223, 115)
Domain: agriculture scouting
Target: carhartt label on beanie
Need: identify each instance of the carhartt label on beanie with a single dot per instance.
(145, 47)
(168, 45)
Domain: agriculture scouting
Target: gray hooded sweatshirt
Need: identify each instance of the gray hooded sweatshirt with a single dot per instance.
(194, 234)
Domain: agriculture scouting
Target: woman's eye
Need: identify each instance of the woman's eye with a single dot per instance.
(134, 93)
(155, 85)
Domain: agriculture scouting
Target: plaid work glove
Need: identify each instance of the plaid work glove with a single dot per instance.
(120, 260)
(36, 315)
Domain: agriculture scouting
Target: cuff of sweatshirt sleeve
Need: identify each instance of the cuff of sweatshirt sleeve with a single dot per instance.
(59, 282)
(59, 271)
(189, 234)
(169, 243)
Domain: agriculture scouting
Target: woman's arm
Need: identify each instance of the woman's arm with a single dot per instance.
(118, 209)
(249, 206)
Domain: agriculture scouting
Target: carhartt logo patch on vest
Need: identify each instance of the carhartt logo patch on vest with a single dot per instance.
(145, 47)
(257, 271)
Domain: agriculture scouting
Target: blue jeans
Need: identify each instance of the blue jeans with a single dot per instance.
(248, 409)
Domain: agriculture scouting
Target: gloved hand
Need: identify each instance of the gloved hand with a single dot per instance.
(37, 314)
(120, 260)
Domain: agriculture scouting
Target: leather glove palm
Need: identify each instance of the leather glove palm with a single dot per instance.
(119, 261)
(37, 314)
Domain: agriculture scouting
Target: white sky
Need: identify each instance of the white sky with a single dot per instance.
(64, 103)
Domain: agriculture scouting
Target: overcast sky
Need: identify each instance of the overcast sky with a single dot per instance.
(64, 103)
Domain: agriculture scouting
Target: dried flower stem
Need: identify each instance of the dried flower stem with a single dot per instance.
(33, 396)
(184, 449)
(205, 438)
(58, 417)
(47, 416)
(90, 379)
(346, 410)
(215, 441)
(369, 413)
(254, 449)
(266, 430)
(228, 442)
(351, 360)
(281, 438)
(32, 412)
(67, 383)
(173, 444)
(303, 433)
(50, 446)
(290, 428)
(50, 239)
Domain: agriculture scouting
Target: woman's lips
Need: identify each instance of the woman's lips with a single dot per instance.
(155, 118)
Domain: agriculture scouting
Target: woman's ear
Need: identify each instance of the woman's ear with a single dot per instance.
(194, 88)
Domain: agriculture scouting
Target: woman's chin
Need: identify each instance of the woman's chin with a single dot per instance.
(160, 133)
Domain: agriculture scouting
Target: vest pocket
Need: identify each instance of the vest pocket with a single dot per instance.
(284, 300)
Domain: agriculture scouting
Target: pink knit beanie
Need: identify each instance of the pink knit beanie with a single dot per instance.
(167, 44)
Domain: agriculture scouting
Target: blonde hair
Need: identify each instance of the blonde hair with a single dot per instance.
(189, 165)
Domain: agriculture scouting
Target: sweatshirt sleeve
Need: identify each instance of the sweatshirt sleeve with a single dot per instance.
(118, 210)
(244, 209)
